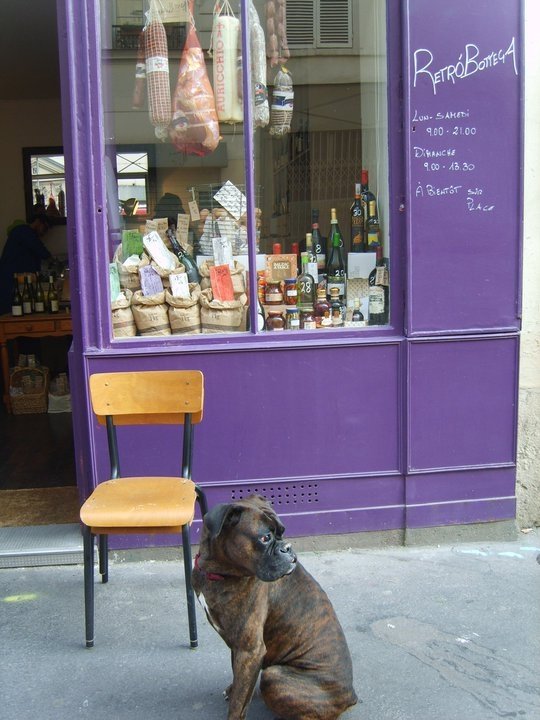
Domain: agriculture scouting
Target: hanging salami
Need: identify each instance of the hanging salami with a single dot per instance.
(261, 112)
(276, 30)
(224, 49)
(157, 72)
(194, 126)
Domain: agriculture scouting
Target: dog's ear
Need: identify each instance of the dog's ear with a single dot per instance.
(221, 515)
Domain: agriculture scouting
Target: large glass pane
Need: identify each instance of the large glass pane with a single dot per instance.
(175, 167)
(323, 154)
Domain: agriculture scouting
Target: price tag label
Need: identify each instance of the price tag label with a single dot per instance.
(173, 11)
(232, 199)
(179, 285)
(194, 210)
(182, 229)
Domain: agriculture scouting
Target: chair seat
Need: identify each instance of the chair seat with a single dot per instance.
(143, 502)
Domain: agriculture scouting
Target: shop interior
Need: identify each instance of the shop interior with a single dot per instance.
(37, 470)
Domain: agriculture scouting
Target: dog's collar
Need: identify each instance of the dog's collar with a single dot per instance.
(208, 575)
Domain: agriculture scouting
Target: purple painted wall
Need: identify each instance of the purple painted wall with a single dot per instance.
(413, 426)
(463, 64)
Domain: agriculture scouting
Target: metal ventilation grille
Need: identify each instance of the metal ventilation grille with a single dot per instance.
(302, 493)
(319, 23)
(334, 23)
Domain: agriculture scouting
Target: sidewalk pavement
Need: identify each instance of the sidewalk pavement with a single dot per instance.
(436, 633)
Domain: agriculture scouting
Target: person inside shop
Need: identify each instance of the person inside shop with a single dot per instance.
(23, 252)
(169, 205)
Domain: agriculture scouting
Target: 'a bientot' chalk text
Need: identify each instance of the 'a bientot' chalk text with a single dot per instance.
(468, 63)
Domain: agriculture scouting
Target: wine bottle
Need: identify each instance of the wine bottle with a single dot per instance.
(52, 296)
(16, 298)
(185, 258)
(306, 285)
(318, 241)
(373, 230)
(378, 291)
(357, 222)
(357, 319)
(367, 195)
(322, 309)
(312, 265)
(335, 267)
(39, 305)
(337, 308)
(26, 297)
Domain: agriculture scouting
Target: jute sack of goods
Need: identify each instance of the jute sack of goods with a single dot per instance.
(184, 314)
(128, 269)
(222, 316)
(164, 272)
(150, 313)
(122, 316)
(225, 51)
(237, 276)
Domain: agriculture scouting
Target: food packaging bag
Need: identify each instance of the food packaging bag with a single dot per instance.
(150, 314)
(184, 314)
(237, 276)
(129, 274)
(122, 316)
(222, 317)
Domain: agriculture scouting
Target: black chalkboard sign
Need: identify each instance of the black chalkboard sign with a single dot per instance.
(463, 145)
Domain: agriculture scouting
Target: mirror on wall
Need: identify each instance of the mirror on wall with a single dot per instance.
(45, 182)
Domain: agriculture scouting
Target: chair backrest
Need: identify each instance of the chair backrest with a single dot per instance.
(148, 397)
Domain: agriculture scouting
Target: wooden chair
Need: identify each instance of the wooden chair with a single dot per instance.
(143, 505)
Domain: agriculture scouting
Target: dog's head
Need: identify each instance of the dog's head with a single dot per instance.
(248, 536)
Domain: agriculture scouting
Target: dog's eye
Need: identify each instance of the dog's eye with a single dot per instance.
(265, 539)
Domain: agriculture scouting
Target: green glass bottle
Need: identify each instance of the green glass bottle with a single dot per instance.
(335, 267)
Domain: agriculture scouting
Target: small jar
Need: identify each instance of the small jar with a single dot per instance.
(307, 319)
(290, 291)
(275, 320)
(293, 318)
(273, 294)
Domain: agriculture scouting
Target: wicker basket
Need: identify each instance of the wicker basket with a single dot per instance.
(29, 390)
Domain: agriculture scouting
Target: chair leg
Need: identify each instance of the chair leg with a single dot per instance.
(190, 595)
(103, 545)
(88, 554)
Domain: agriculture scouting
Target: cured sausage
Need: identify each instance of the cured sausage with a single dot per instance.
(157, 74)
(224, 50)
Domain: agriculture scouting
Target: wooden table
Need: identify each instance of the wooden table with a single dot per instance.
(35, 325)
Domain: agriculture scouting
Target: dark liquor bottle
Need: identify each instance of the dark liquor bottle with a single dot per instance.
(373, 230)
(185, 258)
(16, 298)
(39, 305)
(26, 297)
(335, 267)
(367, 195)
(357, 319)
(318, 241)
(378, 291)
(322, 310)
(337, 308)
(312, 265)
(357, 222)
(53, 305)
(306, 285)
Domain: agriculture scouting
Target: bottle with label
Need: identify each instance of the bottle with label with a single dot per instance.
(367, 195)
(357, 222)
(373, 229)
(16, 298)
(52, 296)
(337, 308)
(322, 309)
(292, 318)
(39, 303)
(318, 241)
(357, 319)
(335, 267)
(185, 258)
(306, 285)
(312, 265)
(26, 297)
(378, 291)
(295, 250)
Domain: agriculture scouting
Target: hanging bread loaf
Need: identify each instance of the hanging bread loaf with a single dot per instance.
(225, 52)
(194, 126)
(157, 73)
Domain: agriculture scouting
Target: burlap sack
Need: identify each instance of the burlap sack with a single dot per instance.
(221, 317)
(129, 275)
(237, 277)
(122, 316)
(184, 314)
(150, 314)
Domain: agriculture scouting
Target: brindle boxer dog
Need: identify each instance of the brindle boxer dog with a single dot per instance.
(272, 614)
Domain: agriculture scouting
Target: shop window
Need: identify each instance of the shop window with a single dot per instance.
(314, 222)
(45, 182)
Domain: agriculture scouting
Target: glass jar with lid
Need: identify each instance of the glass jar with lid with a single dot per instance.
(290, 291)
(273, 294)
(307, 318)
(275, 320)
(293, 318)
